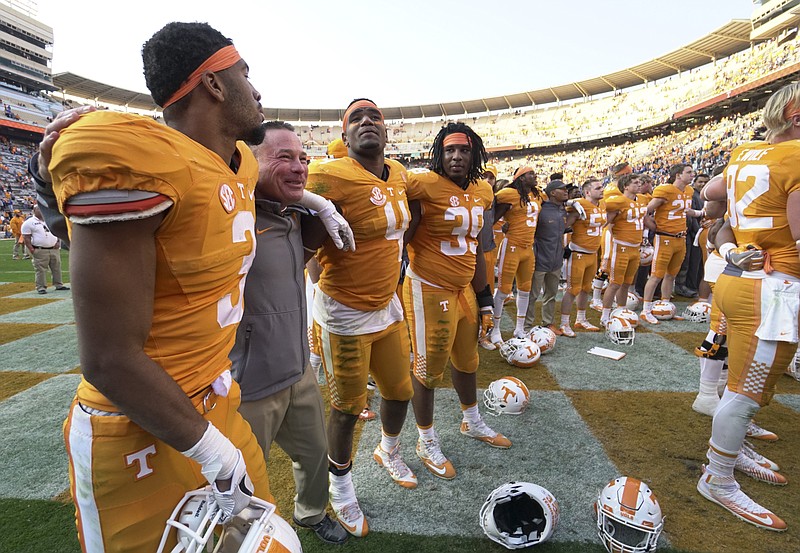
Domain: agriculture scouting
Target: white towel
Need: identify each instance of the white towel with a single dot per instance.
(222, 384)
(780, 305)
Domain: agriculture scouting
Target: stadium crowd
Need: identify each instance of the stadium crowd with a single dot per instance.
(589, 118)
(587, 220)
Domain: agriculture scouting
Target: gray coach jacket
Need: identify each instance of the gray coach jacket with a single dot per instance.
(271, 349)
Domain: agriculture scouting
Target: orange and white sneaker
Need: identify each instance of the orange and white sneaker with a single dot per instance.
(566, 331)
(756, 471)
(481, 432)
(393, 462)
(486, 343)
(556, 330)
(649, 318)
(725, 492)
(596, 305)
(348, 511)
(757, 433)
(587, 326)
(747, 449)
(434, 460)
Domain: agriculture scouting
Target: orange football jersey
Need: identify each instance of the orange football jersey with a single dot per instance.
(205, 243)
(629, 222)
(760, 177)
(586, 232)
(443, 248)
(377, 211)
(611, 190)
(521, 219)
(670, 216)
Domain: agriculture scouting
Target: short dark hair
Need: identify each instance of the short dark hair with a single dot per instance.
(174, 52)
(676, 170)
(278, 126)
(588, 182)
(625, 180)
(479, 155)
(557, 176)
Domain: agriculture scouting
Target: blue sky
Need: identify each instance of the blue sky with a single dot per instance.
(316, 54)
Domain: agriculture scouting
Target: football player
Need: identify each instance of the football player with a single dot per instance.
(625, 216)
(758, 292)
(519, 204)
(445, 285)
(611, 189)
(162, 231)
(358, 317)
(668, 209)
(582, 261)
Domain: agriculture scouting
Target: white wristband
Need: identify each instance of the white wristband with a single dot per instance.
(215, 454)
(725, 249)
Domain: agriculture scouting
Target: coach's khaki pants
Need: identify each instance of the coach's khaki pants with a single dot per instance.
(44, 259)
(294, 418)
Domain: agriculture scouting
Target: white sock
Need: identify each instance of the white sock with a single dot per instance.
(648, 307)
(471, 414)
(710, 370)
(342, 490)
(426, 433)
(720, 462)
(728, 431)
(597, 290)
(606, 314)
(522, 308)
(499, 298)
(708, 389)
(388, 443)
(581, 316)
(565, 320)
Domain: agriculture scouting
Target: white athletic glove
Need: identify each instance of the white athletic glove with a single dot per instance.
(575, 204)
(220, 461)
(238, 495)
(336, 225)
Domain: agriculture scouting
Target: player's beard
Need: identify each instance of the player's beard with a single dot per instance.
(256, 135)
(242, 114)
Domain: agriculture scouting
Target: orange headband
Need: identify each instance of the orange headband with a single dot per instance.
(218, 61)
(521, 171)
(624, 171)
(354, 106)
(456, 138)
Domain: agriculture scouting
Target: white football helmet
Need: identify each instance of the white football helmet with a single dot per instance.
(544, 338)
(698, 312)
(663, 310)
(256, 528)
(793, 369)
(519, 514)
(629, 518)
(646, 254)
(507, 396)
(633, 301)
(627, 314)
(620, 331)
(520, 352)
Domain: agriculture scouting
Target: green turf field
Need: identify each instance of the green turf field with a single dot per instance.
(590, 419)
